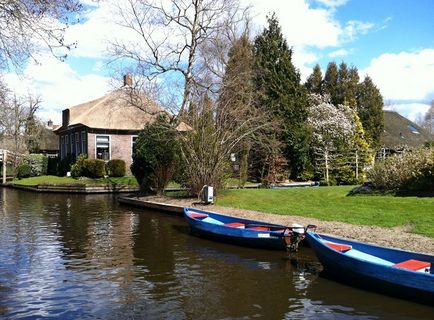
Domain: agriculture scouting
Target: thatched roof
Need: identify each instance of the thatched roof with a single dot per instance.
(113, 111)
(401, 132)
(49, 141)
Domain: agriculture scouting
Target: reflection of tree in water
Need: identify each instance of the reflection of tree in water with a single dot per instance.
(153, 250)
(236, 282)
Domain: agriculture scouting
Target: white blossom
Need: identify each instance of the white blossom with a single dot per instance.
(331, 125)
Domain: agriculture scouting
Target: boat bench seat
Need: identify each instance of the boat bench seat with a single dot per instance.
(212, 220)
(338, 246)
(198, 215)
(367, 257)
(259, 228)
(235, 225)
(415, 265)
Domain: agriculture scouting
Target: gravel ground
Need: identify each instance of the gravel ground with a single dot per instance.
(397, 237)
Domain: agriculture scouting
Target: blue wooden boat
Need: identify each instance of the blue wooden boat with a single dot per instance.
(395, 272)
(243, 232)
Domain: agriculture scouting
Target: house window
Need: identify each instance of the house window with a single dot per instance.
(83, 142)
(66, 145)
(103, 147)
(77, 143)
(133, 144)
(62, 147)
(72, 144)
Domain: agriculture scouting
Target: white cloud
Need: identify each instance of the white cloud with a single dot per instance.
(333, 3)
(338, 53)
(58, 85)
(404, 75)
(307, 28)
(354, 28)
(91, 35)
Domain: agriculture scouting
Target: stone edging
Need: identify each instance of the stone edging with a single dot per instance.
(169, 208)
(75, 188)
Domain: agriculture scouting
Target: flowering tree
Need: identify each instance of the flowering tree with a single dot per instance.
(338, 141)
(331, 126)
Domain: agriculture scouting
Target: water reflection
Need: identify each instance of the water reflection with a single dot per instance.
(74, 256)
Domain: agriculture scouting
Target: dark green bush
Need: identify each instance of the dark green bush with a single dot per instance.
(78, 169)
(24, 171)
(155, 156)
(116, 168)
(346, 176)
(94, 168)
(63, 166)
(52, 166)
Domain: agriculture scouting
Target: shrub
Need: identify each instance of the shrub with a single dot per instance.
(78, 169)
(155, 156)
(94, 168)
(63, 166)
(410, 171)
(38, 164)
(24, 171)
(52, 166)
(116, 168)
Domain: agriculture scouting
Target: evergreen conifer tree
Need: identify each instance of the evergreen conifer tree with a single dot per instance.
(370, 111)
(314, 81)
(278, 89)
(330, 84)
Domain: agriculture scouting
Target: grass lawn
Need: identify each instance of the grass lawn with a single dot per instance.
(51, 180)
(333, 204)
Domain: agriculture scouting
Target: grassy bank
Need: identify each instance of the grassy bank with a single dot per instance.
(333, 204)
(54, 180)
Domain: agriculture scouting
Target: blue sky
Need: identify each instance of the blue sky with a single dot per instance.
(391, 40)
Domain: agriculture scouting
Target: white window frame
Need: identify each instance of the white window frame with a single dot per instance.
(110, 145)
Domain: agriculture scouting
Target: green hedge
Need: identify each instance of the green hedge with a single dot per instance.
(77, 168)
(24, 171)
(116, 168)
(94, 168)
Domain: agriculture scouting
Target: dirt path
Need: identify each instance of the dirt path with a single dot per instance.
(390, 237)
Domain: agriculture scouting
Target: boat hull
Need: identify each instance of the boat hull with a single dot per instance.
(274, 240)
(388, 279)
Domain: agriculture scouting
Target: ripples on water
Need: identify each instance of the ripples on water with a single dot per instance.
(85, 257)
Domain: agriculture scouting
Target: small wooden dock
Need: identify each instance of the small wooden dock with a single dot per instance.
(165, 207)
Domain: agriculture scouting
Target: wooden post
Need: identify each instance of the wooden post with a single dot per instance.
(4, 166)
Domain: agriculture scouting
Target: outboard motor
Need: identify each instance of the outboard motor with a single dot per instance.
(295, 236)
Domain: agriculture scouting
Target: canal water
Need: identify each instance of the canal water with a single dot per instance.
(87, 257)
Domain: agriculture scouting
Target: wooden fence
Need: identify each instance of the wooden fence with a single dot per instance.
(8, 157)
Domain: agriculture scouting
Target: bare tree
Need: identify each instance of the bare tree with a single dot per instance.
(167, 36)
(182, 47)
(27, 26)
(429, 119)
(18, 124)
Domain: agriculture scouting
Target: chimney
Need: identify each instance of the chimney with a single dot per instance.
(128, 80)
(50, 124)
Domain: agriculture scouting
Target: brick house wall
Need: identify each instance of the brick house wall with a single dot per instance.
(120, 144)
